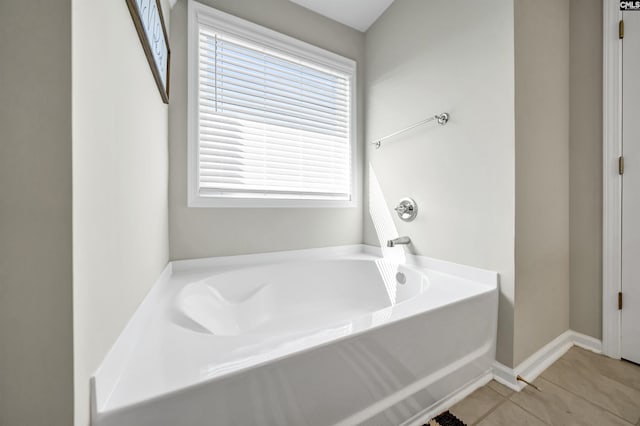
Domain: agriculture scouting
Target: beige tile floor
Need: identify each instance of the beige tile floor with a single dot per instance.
(581, 388)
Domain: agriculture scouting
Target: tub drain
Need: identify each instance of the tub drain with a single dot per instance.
(401, 278)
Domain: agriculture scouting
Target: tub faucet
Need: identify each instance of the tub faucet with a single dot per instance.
(399, 241)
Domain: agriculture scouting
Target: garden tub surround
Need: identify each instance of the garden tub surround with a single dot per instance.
(310, 337)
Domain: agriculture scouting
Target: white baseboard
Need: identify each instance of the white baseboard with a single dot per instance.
(529, 369)
(587, 342)
(505, 375)
(533, 366)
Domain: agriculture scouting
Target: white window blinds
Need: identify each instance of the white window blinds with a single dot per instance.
(270, 125)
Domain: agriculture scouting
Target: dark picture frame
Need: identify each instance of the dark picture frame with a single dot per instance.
(149, 22)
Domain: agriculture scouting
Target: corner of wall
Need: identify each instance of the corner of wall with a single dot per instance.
(462, 174)
(120, 180)
(586, 166)
(542, 250)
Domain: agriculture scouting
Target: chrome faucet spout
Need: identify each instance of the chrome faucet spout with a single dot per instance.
(399, 241)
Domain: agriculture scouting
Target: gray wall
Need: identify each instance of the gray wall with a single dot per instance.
(426, 57)
(542, 174)
(36, 347)
(586, 167)
(120, 180)
(203, 232)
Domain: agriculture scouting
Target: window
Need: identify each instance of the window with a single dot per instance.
(271, 119)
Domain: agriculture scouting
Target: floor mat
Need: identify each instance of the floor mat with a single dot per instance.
(445, 419)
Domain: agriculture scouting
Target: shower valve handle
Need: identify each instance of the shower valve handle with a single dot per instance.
(402, 209)
(407, 209)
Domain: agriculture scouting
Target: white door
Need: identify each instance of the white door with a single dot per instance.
(630, 349)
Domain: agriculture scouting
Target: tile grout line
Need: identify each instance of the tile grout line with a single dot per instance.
(525, 409)
(485, 415)
(486, 387)
(605, 408)
(588, 401)
(608, 377)
(621, 383)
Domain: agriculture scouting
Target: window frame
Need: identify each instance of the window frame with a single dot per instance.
(201, 14)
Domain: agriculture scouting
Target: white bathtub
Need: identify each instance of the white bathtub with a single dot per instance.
(315, 337)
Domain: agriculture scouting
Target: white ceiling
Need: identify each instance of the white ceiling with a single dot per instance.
(358, 14)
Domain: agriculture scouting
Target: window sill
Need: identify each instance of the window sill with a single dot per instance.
(198, 201)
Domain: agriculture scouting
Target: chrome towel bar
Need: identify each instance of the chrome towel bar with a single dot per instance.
(441, 118)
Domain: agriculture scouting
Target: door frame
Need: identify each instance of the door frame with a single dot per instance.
(612, 181)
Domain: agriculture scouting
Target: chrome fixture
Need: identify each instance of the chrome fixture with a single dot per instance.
(407, 209)
(399, 241)
(441, 118)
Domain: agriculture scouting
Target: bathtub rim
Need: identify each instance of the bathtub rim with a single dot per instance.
(473, 273)
(204, 383)
(107, 376)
